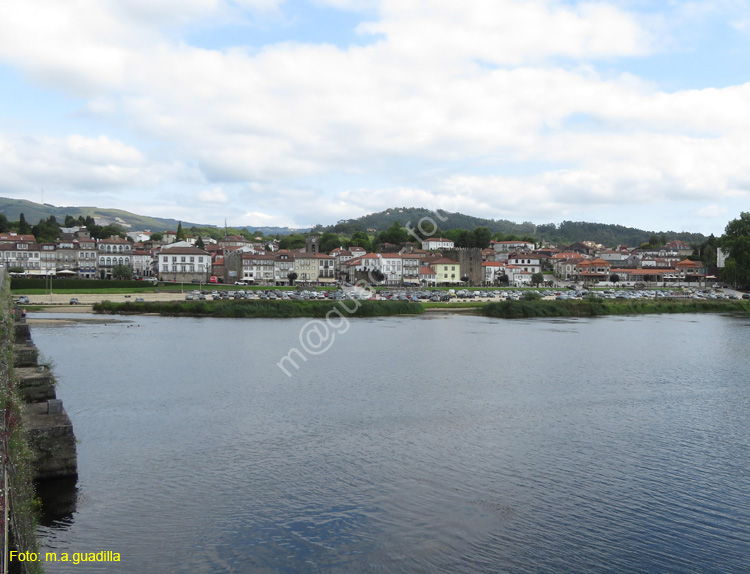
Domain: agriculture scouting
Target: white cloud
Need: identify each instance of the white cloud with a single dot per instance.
(213, 195)
(711, 211)
(263, 5)
(354, 5)
(506, 32)
(77, 162)
(444, 99)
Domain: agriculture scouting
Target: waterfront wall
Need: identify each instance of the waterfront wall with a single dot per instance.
(17, 498)
(48, 427)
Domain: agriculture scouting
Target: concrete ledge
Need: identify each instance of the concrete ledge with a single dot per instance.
(34, 385)
(25, 356)
(22, 333)
(52, 440)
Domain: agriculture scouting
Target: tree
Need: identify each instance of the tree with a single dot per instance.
(503, 279)
(199, 243)
(361, 239)
(122, 272)
(460, 237)
(23, 227)
(157, 236)
(537, 279)
(481, 237)
(706, 251)
(47, 230)
(180, 236)
(395, 234)
(736, 243)
(377, 275)
(614, 278)
(296, 241)
(531, 296)
(292, 276)
(4, 223)
(328, 242)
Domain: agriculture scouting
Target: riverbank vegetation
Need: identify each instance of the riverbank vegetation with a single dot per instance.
(595, 307)
(262, 309)
(24, 508)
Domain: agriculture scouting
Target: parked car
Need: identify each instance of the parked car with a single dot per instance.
(22, 300)
(73, 301)
(240, 282)
(140, 300)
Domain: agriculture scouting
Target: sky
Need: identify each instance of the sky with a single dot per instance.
(298, 112)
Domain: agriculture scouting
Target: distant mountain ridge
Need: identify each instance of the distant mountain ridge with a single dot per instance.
(33, 212)
(565, 233)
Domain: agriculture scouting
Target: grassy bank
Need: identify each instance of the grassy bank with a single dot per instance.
(24, 508)
(260, 309)
(117, 291)
(593, 308)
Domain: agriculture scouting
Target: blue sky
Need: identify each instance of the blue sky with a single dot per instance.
(272, 112)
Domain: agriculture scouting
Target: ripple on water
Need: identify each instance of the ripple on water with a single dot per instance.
(411, 447)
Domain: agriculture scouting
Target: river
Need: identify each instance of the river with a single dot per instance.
(433, 444)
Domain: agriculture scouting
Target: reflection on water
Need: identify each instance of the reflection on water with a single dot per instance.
(458, 444)
(58, 499)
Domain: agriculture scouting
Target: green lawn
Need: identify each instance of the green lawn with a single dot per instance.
(117, 291)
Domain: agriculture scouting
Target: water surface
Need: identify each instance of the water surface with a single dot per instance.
(435, 444)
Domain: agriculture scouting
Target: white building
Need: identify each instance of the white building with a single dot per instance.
(527, 262)
(111, 252)
(511, 246)
(492, 271)
(183, 264)
(143, 263)
(721, 258)
(434, 243)
(283, 265)
(22, 254)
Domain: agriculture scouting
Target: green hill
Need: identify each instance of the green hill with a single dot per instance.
(33, 212)
(566, 232)
(413, 215)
